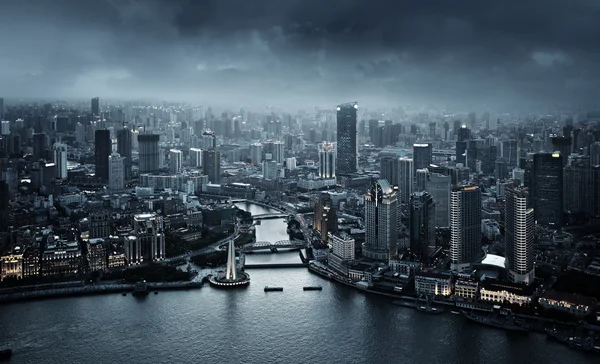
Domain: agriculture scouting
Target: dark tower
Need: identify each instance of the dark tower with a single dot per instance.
(96, 106)
(124, 149)
(347, 139)
(102, 150)
(548, 188)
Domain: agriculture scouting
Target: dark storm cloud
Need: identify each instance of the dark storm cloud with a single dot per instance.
(315, 51)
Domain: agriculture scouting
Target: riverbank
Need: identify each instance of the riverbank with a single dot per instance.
(93, 290)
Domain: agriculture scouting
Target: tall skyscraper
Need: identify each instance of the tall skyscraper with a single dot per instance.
(211, 164)
(4, 205)
(4, 127)
(548, 188)
(102, 150)
(518, 227)
(96, 106)
(381, 239)
(327, 153)
(347, 139)
(149, 158)
(325, 220)
(116, 172)
(439, 186)
(39, 146)
(60, 160)
(124, 146)
(465, 227)
(1, 108)
(175, 161)
(422, 155)
(422, 225)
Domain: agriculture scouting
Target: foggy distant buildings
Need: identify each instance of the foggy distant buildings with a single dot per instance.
(347, 139)
(175, 161)
(211, 164)
(196, 157)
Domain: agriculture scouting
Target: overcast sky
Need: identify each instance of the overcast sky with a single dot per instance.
(310, 52)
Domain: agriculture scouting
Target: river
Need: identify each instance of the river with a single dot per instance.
(335, 325)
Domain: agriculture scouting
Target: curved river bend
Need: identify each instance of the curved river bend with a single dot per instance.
(335, 325)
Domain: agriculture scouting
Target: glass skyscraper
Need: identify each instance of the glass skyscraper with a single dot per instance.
(347, 139)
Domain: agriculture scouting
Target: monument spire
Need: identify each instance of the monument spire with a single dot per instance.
(230, 273)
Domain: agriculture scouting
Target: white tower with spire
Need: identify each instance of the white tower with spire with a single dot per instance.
(230, 273)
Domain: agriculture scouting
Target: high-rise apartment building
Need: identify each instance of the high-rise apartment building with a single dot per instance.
(60, 160)
(381, 239)
(175, 161)
(39, 146)
(256, 153)
(196, 157)
(422, 225)
(148, 243)
(465, 227)
(327, 156)
(405, 179)
(347, 139)
(519, 228)
(102, 150)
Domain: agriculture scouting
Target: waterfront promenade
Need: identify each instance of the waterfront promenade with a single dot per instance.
(93, 290)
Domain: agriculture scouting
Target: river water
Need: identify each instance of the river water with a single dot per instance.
(335, 325)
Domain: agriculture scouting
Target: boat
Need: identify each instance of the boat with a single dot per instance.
(155, 292)
(429, 309)
(141, 289)
(273, 289)
(506, 322)
(455, 312)
(313, 288)
(405, 304)
(5, 354)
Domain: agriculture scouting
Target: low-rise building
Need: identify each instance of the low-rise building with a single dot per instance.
(497, 291)
(11, 266)
(116, 260)
(61, 258)
(96, 254)
(31, 262)
(433, 284)
(573, 304)
(466, 288)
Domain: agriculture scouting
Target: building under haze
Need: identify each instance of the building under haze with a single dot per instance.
(196, 157)
(102, 150)
(519, 239)
(439, 186)
(347, 139)
(381, 239)
(148, 153)
(465, 228)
